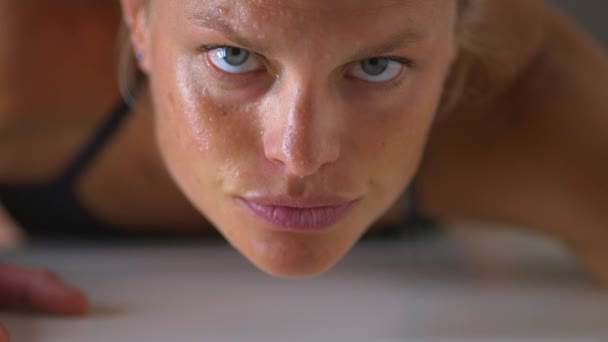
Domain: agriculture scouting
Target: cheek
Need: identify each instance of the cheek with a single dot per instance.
(391, 142)
(200, 139)
(397, 133)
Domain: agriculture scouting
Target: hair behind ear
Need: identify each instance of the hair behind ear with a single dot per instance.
(132, 38)
(130, 75)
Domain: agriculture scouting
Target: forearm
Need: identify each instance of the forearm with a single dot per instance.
(11, 236)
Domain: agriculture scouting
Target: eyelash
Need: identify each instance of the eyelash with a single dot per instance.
(211, 47)
(408, 63)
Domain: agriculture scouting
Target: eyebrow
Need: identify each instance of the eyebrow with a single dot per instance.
(216, 22)
(395, 42)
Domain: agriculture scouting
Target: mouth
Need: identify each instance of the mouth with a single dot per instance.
(298, 215)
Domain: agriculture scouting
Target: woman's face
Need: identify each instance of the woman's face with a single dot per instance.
(293, 125)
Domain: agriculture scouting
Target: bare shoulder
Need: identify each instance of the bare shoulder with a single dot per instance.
(55, 57)
(57, 80)
(526, 143)
(509, 46)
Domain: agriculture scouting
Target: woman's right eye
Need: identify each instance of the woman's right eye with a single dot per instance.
(233, 60)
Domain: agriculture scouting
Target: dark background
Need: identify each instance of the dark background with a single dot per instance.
(592, 15)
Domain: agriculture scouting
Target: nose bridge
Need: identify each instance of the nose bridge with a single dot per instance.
(304, 136)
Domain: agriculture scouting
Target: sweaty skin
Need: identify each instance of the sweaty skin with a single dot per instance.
(302, 127)
(521, 142)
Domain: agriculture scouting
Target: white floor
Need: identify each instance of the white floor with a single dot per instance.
(474, 286)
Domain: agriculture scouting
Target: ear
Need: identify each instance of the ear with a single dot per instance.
(135, 15)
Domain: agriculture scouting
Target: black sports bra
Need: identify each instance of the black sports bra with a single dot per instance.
(52, 208)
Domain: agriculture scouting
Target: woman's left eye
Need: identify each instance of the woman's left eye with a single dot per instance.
(234, 60)
(378, 69)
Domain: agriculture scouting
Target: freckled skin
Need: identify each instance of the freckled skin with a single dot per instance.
(307, 130)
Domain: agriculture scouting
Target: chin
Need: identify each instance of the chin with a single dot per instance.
(294, 256)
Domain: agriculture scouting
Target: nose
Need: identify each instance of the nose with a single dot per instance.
(301, 131)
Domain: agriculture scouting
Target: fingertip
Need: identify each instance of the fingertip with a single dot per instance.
(74, 303)
(4, 336)
(60, 299)
(81, 305)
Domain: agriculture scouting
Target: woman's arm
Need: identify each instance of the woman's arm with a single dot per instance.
(23, 63)
(11, 236)
(536, 154)
(31, 288)
(39, 290)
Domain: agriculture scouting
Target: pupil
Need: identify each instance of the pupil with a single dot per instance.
(235, 56)
(375, 66)
(236, 51)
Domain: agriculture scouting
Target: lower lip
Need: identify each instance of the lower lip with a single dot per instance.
(299, 219)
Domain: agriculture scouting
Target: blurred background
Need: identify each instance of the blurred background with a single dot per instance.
(591, 15)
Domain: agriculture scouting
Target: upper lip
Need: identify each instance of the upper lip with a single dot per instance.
(299, 202)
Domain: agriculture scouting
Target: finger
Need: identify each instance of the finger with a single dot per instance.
(11, 236)
(39, 290)
(4, 334)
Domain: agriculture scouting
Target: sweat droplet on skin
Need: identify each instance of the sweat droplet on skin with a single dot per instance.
(222, 10)
(191, 96)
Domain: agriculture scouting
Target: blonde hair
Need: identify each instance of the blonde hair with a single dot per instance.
(456, 84)
(484, 63)
(128, 71)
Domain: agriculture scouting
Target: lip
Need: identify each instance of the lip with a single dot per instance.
(299, 215)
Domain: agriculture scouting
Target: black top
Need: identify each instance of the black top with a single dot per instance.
(52, 208)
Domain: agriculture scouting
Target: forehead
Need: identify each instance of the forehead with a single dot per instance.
(301, 27)
(313, 9)
(306, 5)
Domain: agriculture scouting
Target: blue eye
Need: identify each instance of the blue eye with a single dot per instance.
(375, 66)
(234, 60)
(377, 69)
(233, 56)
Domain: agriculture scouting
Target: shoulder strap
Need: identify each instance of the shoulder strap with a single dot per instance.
(96, 142)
